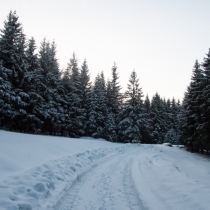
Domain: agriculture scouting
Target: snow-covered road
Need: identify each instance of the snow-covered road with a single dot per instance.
(142, 177)
(107, 185)
(85, 174)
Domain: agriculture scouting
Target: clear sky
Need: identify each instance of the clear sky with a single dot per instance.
(160, 39)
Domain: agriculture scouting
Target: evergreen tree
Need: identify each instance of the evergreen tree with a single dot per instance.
(147, 126)
(75, 97)
(203, 95)
(66, 92)
(172, 110)
(85, 87)
(131, 116)
(7, 96)
(183, 118)
(51, 75)
(157, 116)
(110, 130)
(12, 56)
(12, 49)
(115, 97)
(33, 85)
(98, 108)
(114, 100)
(191, 113)
(10, 38)
(31, 56)
(176, 108)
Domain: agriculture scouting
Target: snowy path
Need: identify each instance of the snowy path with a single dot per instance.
(108, 185)
(85, 174)
(143, 177)
(170, 178)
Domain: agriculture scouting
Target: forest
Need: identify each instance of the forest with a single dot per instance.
(37, 97)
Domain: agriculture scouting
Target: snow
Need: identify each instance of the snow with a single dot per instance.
(167, 144)
(20, 152)
(45, 172)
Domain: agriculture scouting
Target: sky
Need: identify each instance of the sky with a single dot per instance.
(160, 39)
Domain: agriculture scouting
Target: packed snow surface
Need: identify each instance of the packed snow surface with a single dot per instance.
(56, 173)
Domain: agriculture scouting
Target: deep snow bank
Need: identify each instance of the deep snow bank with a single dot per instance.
(20, 152)
(40, 187)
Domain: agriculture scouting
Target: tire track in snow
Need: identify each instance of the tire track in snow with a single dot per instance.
(107, 194)
(131, 192)
(112, 190)
(68, 200)
(102, 187)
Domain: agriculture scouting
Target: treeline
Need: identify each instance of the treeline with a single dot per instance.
(36, 97)
(195, 115)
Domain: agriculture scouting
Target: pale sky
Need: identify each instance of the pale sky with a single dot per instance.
(160, 39)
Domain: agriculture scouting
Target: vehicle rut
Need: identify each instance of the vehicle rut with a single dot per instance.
(131, 192)
(105, 186)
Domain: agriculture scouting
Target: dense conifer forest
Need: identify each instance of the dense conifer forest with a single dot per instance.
(37, 97)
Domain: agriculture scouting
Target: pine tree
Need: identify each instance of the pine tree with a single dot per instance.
(147, 126)
(12, 56)
(85, 87)
(51, 75)
(176, 108)
(172, 110)
(76, 111)
(110, 130)
(9, 41)
(114, 103)
(191, 113)
(115, 97)
(203, 92)
(98, 108)
(183, 118)
(31, 56)
(7, 95)
(12, 49)
(33, 85)
(66, 90)
(131, 116)
(157, 116)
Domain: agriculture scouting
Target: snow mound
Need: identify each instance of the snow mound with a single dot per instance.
(167, 144)
(39, 187)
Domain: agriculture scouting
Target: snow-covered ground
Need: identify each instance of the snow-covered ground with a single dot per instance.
(56, 173)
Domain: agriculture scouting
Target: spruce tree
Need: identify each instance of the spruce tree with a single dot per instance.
(115, 97)
(147, 126)
(85, 87)
(131, 117)
(110, 130)
(192, 133)
(114, 103)
(13, 59)
(98, 108)
(76, 111)
(7, 96)
(157, 115)
(203, 92)
(172, 110)
(9, 41)
(51, 75)
(33, 85)
(31, 55)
